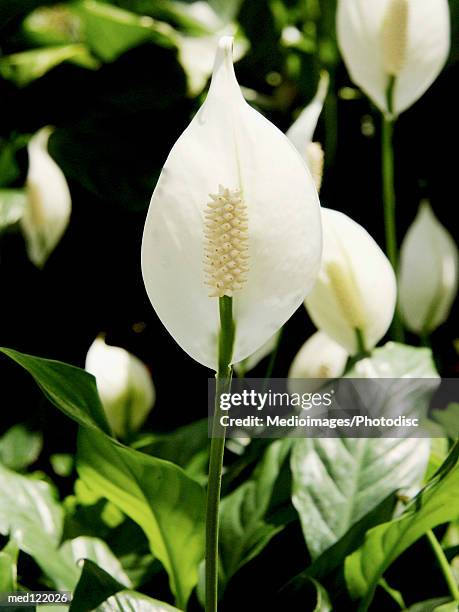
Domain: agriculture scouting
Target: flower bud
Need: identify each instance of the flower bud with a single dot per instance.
(428, 273)
(48, 208)
(124, 384)
(319, 357)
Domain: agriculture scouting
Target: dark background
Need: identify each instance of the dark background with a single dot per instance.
(114, 129)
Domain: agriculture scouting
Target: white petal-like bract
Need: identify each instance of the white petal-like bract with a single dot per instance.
(124, 384)
(428, 273)
(405, 39)
(230, 151)
(49, 205)
(319, 357)
(356, 288)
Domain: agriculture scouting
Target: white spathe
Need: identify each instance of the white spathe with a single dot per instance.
(405, 39)
(428, 273)
(228, 143)
(301, 132)
(124, 384)
(49, 204)
(356, 287)
(319, 357)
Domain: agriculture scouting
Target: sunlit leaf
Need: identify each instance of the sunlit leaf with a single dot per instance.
(26, 66)
(20, 447)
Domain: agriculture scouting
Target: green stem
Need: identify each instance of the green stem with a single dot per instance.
(387, 158)
(444, 565)
(217, 447)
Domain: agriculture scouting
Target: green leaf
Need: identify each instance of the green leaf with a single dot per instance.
(110, 31)
(32, 517)
(247, 522)
(337, 481)
(93, 588)
(27, 66)
(20, 447)
(449, 420)
(70, 389)
(9, 170)
(12, 205)
(130, 601)
(8, 567)
(167, 504)
(62, 464)
(187, 446)
(432, 605)
(437, 503)
(97, 551)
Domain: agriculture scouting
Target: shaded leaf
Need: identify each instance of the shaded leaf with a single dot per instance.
(449, 420)
(246, 526)
(93, 588)
(12, 204)
(70, 389)
(437, 503)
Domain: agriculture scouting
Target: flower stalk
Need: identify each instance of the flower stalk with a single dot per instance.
(217, 447)
(387, 158)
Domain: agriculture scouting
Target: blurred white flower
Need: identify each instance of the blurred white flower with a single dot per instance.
(197, 53)
(407, 40)
(302, 130)
(356, 288)
(428, 273)
(124, 384)
(319, 357)
(236, 210)
(49, 205)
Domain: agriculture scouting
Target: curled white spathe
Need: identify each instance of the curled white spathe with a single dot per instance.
(301, 132)
(428, 273)
(124, 384)
(371, 33)
(356, 287)
(49, 204)
(228, 143)
(320, 357)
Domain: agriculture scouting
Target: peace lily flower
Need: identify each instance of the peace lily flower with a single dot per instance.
(428, 273)
(406, 41)
(356, 287)
(124, 385)
(235, 213)
(302, 130)
(48, 208)
(319, 357)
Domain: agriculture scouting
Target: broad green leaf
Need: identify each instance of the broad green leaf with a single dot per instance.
(130, 601)
(70, 389)
(158, 495)
(20, 447)
(8, 567)
(97, 551)
(437, 503)
(12, 204)
(31, 516)
(110, 31)
(337, 481)
(247, 523)
(449, 420)
(52, 25)
(27, 66)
